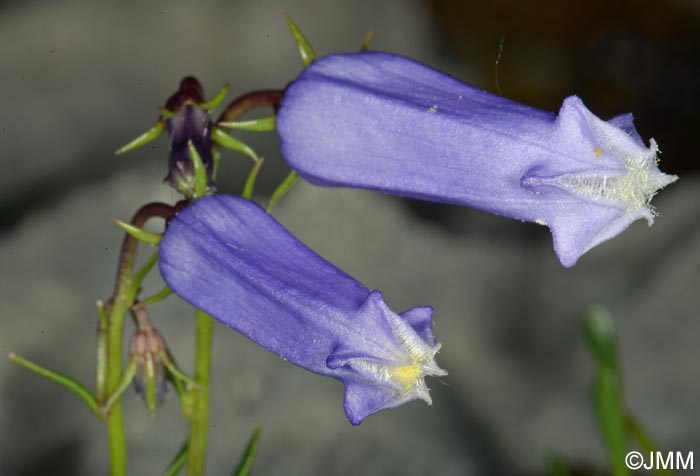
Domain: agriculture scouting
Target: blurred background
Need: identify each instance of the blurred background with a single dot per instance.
(78, 79)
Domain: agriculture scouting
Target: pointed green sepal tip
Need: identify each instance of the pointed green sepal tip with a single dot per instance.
(305, 49)
(282, 189)
(263, 124)
(225, 140)
(200, 172)
(218, 98)
(143, 139)
(245, 465)
(367, 40)
(139, 233)
(167, 113)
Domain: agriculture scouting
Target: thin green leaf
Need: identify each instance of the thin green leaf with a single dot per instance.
(225, 140)
(283, 188)
(178, 461)
(126, 380)
(159, 296)
(74, 386)
(102, 335)
(214, 102)
(263, 124)
(646, 444)
(139, 233)
(248, 458)
(143, 139)
(135, 283)
(600, 334)
(305, 49)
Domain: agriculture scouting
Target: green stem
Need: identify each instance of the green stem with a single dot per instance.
(197, 447)
(125, 292)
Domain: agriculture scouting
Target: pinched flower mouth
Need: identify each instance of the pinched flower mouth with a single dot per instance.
(630, 191)
(405, 380)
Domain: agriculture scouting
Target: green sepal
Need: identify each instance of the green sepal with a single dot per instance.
(245, 465)
(305, 49)
(178, 461)
(225, 140)
(263, 124)
(144, 138)
(216, 101)
(177, 374)
(167, 113)
(283, 188)
(250, 181)
(367, 40)
(201, 182)
(73, 385)
(139, 233)
(150, 385)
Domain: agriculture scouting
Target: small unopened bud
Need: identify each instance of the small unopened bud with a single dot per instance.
(149, 352)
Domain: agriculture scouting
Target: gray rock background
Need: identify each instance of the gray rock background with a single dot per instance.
(81, 78)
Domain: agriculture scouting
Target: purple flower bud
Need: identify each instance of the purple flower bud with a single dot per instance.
(191, 122)
(148, 351)
(380, 121)
(228, 257)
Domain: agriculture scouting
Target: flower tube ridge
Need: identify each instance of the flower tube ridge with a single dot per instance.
(384, 122)
(228, 257)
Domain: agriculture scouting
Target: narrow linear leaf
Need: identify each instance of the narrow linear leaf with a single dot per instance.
(178, 461)
(646, 444)
(607, 394)
(248, 458)
(159, 296)
(126, 380)
(138, 278)
(74, 386)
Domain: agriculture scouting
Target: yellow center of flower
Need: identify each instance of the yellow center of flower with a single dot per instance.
(407, 375)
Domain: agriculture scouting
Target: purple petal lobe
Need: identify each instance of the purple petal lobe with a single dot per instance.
(230, 258)
(380, 121)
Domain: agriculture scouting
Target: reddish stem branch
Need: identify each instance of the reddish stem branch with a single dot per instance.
(129, 244)
(249, 101)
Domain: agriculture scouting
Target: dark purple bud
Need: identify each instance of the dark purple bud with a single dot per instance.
(190, 122)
